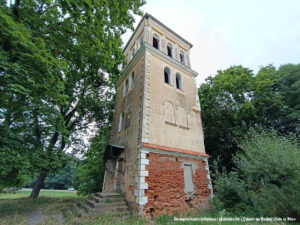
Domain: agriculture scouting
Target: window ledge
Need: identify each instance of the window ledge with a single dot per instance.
(170, 123)
(170, 85)
(180, 91)
(183, 127)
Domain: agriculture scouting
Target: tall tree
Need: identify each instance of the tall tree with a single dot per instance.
(226, 111)
(237, 99)
(61, 93)
(289, 83)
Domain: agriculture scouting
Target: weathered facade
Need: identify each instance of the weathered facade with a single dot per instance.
(156, 155)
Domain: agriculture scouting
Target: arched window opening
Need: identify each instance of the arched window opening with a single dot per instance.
(167, 75)
(156, 41)
(170, 50)
(121, 121)
(179, 82)
(182, 58)
(131, 83)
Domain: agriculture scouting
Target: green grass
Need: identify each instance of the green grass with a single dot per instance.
(15, 208)
(164, 220)
(45, 193)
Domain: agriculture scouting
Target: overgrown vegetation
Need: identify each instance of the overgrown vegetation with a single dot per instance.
(266, 181)
(90, 174)
(59, 63)
(236, 99)
(64, 179)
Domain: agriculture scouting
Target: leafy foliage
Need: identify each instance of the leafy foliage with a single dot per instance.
(59, 62)
(227, 110)
(267, 179)
(62, 180)
(237, 99)
(89, 178)
(290, 87)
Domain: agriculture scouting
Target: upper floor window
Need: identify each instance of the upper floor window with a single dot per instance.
(155, 41)
(125, 88)
(131, 83)
(167, 75)
(182, 57)
(170, 50)
(121, 122)
(141, 41)
(132, 53)
(179, 82)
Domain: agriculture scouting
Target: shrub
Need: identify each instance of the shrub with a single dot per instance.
(267, 179)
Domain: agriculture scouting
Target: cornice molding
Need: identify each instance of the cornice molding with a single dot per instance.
(172, 151)
(171, 32)
(151, 49)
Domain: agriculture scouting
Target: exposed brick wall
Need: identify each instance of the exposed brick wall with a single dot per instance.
(166, 185)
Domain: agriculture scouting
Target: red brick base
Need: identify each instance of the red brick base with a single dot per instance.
(166, 185)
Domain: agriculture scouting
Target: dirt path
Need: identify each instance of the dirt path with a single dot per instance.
(38, 216)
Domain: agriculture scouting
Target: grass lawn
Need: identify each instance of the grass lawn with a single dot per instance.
(16, 208)
(45, 193)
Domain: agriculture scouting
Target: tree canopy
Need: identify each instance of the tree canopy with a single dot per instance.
(237, 99)
(59, 62)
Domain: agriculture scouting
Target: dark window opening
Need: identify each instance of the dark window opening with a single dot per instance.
(179, 82)
(141, 41)
(182, 58)
(169, 51)
(155, 42)
(127, 120)
(167, 77)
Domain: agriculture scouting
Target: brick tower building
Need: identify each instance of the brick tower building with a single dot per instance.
(156, 155)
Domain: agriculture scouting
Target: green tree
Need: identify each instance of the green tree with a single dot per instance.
(237, 99)
(59, 61)
(90, 174)
(63, 179)
(23, 92)
(266, 181)
(289, 84)
(227, 111)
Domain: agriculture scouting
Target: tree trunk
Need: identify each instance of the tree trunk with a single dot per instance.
(38, 185)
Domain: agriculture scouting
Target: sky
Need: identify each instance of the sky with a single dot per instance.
(224, 33)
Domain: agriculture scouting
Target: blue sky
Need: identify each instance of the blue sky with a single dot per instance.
(231, 32)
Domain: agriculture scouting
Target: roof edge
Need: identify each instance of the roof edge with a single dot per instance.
(146, 16)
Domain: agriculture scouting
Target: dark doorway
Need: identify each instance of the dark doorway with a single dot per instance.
(120, 175)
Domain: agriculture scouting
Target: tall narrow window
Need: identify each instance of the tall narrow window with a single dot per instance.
(170, 50)
(121, 121)
(125, 88)
(133, 52)
(131, 83)
(188, 180)
(167, 75)
(182, 58)
(179, 82)
(141, 41)
(155, 41)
